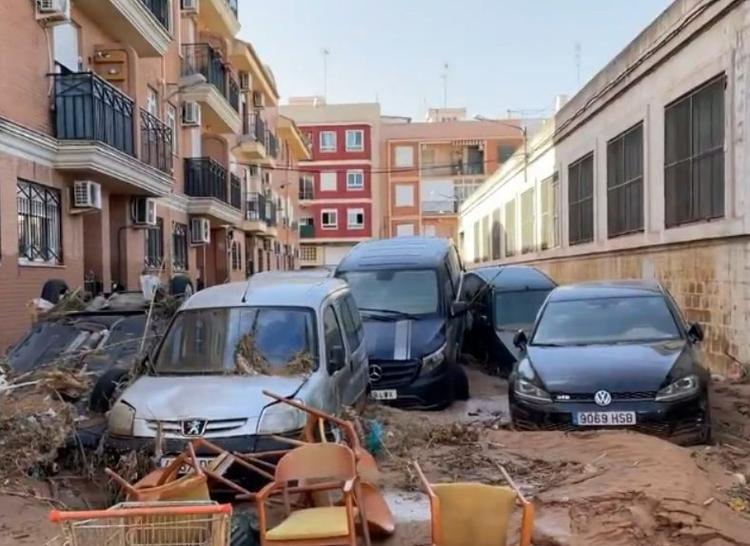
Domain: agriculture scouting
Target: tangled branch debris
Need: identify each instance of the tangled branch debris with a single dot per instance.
(249, 360)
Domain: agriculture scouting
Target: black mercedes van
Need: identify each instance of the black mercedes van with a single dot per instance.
(407, 290)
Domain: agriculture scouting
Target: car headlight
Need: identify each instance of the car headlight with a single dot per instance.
(433, 360)
(280, 418)
(526, 390)
(682, 388)
(121, 419)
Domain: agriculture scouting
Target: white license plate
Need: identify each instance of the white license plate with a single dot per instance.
(605, 418)
(387, 394)
(185, 468)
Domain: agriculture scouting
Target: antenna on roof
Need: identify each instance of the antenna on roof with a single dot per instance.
(244, 294)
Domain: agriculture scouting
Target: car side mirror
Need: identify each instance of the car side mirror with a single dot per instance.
(695, 333)
(336, 358)
(520, 340)
(460, 308)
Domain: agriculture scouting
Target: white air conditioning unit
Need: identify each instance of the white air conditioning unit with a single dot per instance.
(191, 113)
(143, 211)
(245, 81)
(52, 10)
(189, 6)
(258, 99)
(200, 231)
(87, 195)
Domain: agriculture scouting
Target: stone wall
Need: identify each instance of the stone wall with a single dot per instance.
(709, 280)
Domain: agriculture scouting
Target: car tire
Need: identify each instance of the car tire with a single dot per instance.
(53, 289)
(460, 383)
(105, 390)
(181, 285)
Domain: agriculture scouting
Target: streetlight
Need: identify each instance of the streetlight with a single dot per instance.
(524, 133)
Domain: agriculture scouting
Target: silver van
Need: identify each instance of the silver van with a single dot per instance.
(296, 335)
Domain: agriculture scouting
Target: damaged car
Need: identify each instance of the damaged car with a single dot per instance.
(505, 299)
(297, 336)
(612, 354)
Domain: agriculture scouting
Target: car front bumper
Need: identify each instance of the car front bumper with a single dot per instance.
(680, 421)
(432, 391)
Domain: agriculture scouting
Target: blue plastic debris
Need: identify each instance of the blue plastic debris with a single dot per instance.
(374, 437)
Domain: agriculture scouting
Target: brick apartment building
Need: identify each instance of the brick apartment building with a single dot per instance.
(433, 166)
(339, 187)
(137, 136)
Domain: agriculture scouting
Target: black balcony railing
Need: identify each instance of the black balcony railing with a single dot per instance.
(255, 207)
(89, 108)
(160, 10)
(272, 145)
(204, 59)
(233, 92)
(270, 214)
(255, 127)
(306, 231)
(235, 191)
(156, 142)
(204, 177)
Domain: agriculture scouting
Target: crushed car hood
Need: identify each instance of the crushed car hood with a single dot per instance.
(403, 339)
(616, 367)
(171, 398)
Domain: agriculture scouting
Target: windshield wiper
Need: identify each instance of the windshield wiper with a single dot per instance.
(390, 313)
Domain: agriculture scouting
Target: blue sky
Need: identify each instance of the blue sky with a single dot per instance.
(501, 54)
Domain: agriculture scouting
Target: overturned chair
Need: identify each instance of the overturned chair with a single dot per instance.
(475, 513)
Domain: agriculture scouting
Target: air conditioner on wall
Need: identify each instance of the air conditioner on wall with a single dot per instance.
(143, 211)
(191, 113)
(52, 10)
(200, 231)
(87, 195)
(190, 6)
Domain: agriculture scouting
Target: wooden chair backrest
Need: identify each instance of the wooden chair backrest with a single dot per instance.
(317, 461)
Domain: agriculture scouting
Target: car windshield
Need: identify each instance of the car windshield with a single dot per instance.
(606, 320)
(256, 341)
(406, 291)
(516, 310)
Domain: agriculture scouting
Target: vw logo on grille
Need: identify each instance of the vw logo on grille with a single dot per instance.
(603, 398)
(376, 373)
(194, 427)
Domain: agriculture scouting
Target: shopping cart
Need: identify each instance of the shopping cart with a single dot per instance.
(146, 524)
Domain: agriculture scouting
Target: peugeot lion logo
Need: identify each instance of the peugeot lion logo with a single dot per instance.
(603, 398)
(376, 373)
(194, 427)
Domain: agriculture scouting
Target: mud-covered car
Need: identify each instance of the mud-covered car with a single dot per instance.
(506, 300)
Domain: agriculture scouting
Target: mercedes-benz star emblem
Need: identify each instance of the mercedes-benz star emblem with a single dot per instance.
(603, 398)
(194, 427)
(376, 373)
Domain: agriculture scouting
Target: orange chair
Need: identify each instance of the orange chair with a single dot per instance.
(475, 513)
(313, 468)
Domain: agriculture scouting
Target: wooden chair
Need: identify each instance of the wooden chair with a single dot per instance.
(315, 467)
(475, 513)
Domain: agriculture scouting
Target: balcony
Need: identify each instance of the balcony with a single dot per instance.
(440, 207)
(207, 185)
(220, 16)
(257, 141)
(260, 215)
(144, 24)
(235, 191)
(96, 125)
(218, 94)
(307, 231)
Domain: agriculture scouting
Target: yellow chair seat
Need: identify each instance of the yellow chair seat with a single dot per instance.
(312, 523)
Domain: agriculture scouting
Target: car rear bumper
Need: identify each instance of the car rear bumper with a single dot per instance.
(680, 421)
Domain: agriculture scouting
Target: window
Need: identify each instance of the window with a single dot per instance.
(333, 337)
(328, 141)
(172, 124)
(497, 233)
(328, 181)
(505, 152)
(39, 226)
(527, 221)
(404, 230)
(152, 101)
(625, 182)
(355, 180)
(309, 253)
(329, 218)
(404, 195)
(404, 156)
(355, 218)
(385, 291)
(154, 245)
(179, 247)
(581, 200)
(351, 321)
(236, 252)
(355, 140)
(306, 184)
(510, 228)
(694, 156)
(550, 202)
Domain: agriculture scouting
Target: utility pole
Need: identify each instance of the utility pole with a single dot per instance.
(325, 52)
(445, 85)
